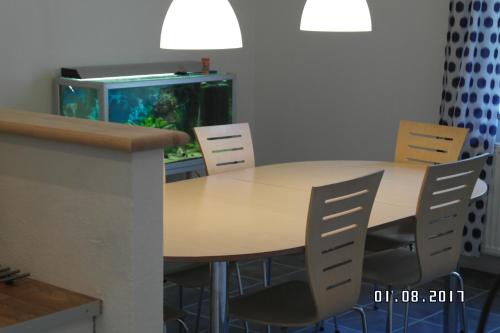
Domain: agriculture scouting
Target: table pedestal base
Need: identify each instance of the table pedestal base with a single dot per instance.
(219, 318)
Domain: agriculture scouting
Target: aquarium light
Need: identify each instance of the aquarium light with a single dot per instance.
(336, 15)
(200, 25)
(142, 76)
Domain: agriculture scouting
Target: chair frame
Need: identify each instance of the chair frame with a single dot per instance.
(420, 143)
(441, 212)
(335, 241)
(337, 223)
(228, 148)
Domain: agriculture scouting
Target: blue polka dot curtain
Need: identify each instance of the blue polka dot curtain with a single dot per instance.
(471, 92)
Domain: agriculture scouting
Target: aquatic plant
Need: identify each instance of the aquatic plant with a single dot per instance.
(188, 151)
(157, 122)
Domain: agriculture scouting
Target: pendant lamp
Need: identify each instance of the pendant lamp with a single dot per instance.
(200, 25)
(336, 15)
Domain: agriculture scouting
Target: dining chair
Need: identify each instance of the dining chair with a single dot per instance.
(440, 218)
(425, 144)
(172, 314)
(225, 148)
(335, 234)
(229, 148)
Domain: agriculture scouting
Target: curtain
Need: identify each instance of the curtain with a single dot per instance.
(471, 92)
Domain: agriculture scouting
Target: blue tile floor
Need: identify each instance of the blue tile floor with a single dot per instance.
(423, 317)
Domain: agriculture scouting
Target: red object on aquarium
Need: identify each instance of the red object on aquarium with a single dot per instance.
(205, 65)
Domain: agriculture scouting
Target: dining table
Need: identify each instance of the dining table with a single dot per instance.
(261, 212)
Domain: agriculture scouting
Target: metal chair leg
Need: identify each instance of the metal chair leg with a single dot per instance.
(389, 310)
(183, 324)
(319, 327)
(336, 325)
(241, 291)
(375, 289)
(463, 310)
(407, 314)
(266, 268)
(264, 272)
(181, 304)
(363, 318)
(269, 270)
(198, 312)
(238, 279)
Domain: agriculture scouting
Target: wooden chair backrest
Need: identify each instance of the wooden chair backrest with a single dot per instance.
(335, 241)
(226, 147)
(441, 213)
(428, 143)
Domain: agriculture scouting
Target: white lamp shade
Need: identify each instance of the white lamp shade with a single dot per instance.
(200, 25)
(336, 15)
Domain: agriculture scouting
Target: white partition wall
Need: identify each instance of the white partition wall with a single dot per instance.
(87, 219)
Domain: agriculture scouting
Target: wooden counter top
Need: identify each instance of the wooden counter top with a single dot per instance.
(87, 132)
(30, 306)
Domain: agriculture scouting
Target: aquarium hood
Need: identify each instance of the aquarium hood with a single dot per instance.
(162, 68)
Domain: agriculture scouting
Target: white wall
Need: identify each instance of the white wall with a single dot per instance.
(341, 95)
(37, 37)
(303, 92)
(98, 233)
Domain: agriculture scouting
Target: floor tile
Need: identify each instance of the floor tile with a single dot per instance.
(478, 303)
(376, 320)
(423, 317)
(472, 318)
(480, 280)
(422, 327)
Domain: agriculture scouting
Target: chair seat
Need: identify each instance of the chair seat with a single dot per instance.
(398, 268)
(380, 241)
(390, 238)
(171, 314)
(192, 277)
(289, 304)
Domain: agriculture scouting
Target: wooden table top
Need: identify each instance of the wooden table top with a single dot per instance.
(262, 211)
(88, 132)
(30, 301)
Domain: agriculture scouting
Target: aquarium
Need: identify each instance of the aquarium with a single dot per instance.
(80, 102)
(167, 101)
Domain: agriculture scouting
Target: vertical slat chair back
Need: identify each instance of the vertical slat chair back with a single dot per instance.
(441, 213)
(226, 147)
(429, 144)
(335, 241)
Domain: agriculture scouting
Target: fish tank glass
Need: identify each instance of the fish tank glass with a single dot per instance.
(80, 102)
(169, 101)
(175, 107)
